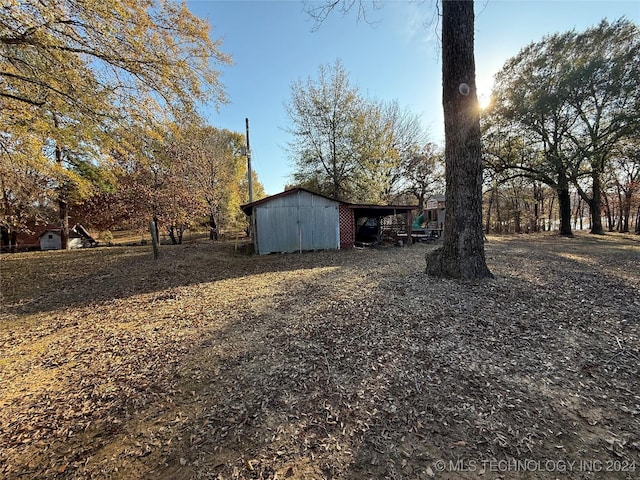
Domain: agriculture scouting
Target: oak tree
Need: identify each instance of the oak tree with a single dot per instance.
(462, 253)
(573, 97)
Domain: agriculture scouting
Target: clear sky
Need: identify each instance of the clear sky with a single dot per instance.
(393, 57)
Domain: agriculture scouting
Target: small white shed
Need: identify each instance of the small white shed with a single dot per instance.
(294, 221)
(50, 240)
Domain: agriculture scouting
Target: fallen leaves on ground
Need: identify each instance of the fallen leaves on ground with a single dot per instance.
(213, 364)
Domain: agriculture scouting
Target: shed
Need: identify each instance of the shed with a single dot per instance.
(299, 219)
(294, 220)
(50, 238)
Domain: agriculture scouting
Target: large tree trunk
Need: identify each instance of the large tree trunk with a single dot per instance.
(608, 214)
(213, 228)
(564, 205)
(13, 240)
(517, 219)
(595, 206)
(538, 208)
(487, 224)
(153, 230)
(172, 234)
(5, 245)
(626, 212)
(63, 207)
(63, 196)
(462, 252)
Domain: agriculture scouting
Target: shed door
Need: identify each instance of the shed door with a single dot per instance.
(318, 227)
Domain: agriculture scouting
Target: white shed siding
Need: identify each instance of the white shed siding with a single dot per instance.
(50, 241)
(299, 221)
(75, 242)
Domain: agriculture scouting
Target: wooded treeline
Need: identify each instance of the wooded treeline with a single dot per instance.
(561, 138)
(99, 125)
(194, 176)
(99, 118)
(521, 205)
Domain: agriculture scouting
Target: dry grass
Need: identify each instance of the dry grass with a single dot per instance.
(212, 364)
(134, 238)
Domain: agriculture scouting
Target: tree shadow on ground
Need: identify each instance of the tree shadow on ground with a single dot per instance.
(47, 281)
(386, 386)
(349, 374)
(389, 383)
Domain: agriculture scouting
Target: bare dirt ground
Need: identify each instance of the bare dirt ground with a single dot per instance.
(212, 364)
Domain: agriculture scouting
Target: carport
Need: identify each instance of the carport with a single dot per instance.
(368, 221)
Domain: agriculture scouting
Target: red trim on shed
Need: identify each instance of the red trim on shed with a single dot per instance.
(347, 227)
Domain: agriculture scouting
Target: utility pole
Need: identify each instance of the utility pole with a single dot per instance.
(249, 174)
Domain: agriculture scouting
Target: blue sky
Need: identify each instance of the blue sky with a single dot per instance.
(394, 57)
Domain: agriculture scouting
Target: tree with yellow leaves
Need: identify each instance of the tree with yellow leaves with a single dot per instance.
(71, 71)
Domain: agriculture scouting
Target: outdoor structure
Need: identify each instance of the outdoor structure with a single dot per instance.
(295, 220)
(298, 220)
(48, 237)
(434, 212)
(429, 224)
(51, 239)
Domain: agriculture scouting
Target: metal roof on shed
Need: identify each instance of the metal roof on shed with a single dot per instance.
(361, 210)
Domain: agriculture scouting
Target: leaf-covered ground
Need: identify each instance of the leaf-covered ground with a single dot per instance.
(212, 364)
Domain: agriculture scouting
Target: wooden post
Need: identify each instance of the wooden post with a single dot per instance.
(154, 239)
(249, 174)
(409, 227)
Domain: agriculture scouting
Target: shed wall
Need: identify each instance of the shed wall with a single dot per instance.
(300, 221)
(53, 243)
